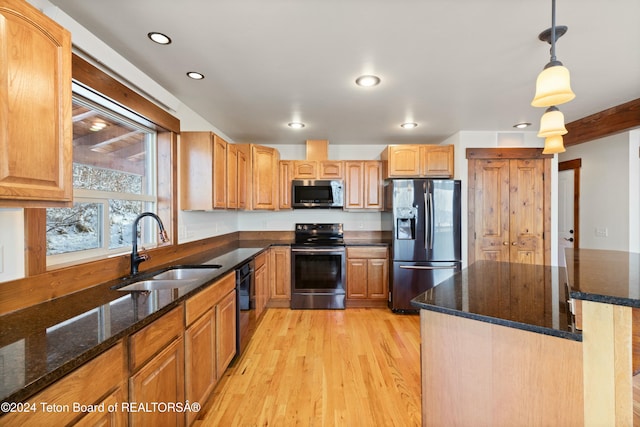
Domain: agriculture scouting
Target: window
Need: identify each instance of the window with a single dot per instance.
(114, 180)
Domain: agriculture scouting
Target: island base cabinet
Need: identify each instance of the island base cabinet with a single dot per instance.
(482, 374)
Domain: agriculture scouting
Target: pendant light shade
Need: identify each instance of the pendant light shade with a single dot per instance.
(553, 86)
(553, 144)
(552, 123)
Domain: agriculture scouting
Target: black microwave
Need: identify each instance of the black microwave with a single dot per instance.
(314, 193)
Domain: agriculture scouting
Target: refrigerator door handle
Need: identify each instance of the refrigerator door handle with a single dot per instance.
(429, 267)
(428, 221)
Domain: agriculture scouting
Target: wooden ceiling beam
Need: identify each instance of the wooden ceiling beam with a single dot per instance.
(614, 120)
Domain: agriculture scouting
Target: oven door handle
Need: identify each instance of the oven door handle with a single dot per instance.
(429, 267)
(317, 250)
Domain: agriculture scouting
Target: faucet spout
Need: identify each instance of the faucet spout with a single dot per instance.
(136, 258)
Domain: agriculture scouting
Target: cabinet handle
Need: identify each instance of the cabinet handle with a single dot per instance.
(505, 243)
(514, 243)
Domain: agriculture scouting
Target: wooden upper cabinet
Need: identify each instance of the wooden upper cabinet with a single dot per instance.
(330, 169)
(286, 175)
(436, 161)
(418, 161)
(36, 134)
(403, 161)
(232, 176)
(203, 171)
(243, 176)
(363, 185)
(263, 186)
(305, 169)
(219, 172)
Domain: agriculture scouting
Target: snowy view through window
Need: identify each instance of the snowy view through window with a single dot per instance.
(113, 182)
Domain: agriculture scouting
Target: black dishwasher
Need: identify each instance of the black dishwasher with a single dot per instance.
(246, 310)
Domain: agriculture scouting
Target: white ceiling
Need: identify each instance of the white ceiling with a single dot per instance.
(448, 65)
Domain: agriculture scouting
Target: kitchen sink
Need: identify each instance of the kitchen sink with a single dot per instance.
(172, 278)
(156, 285)
(186, 272)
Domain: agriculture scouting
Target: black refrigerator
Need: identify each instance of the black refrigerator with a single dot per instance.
(423, 216)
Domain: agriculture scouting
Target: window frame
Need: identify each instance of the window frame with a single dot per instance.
(96, 80)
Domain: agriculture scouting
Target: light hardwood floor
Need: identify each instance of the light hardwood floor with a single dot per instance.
(354, 367)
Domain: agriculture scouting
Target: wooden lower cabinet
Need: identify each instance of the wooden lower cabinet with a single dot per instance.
(103, 417)
(98, 381)
(200, 360)
(280, 276)
(367, 276)
(261, 283)
(159, 381)
(225, 332)
(210, 339)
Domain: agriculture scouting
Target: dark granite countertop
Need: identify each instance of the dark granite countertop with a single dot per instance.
(611, 277)
(522, 296)
(40, 344)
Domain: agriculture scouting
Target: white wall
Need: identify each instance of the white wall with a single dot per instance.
(11, 244)
(606, 200)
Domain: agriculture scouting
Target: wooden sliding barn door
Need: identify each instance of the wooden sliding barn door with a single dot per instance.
(509, 206)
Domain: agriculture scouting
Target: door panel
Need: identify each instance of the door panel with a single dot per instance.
(565, 212)
(508, 210)
(527, 211)
(492, 210)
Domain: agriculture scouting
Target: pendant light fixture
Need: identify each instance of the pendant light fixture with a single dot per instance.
(553, 144)
(552, 123)
(553, 86)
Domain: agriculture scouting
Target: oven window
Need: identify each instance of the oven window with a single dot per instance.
(318, 272)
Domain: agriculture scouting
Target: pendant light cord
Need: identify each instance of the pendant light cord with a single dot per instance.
(553, 30)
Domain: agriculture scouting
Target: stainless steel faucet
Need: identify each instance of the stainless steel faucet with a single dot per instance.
(136, 258)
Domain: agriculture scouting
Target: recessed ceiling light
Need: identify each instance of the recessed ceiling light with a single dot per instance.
(368, 81)
(97, 126)
(522, 125)
(296, 125)
(195, 75)
(409, 125)
(159, 38)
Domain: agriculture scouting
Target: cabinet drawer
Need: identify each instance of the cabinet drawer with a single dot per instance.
(367, 252)
(148, 341)
(260, 260)
(197, 305)
(86, 386)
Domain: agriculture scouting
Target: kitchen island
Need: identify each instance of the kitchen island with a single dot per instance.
(499, 346)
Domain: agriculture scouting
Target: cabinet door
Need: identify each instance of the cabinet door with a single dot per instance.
(195, 163)
(330, 169)
(35, 101)
(243, 176)
(491, 206)
(261, 282)
(286, 175)
(264, 169)
(436, 161)
(305, 169)
(160, 380)
(354, 199)
(232, 176)
(404, 161)
(280, 269)
(225, 332)
(107, 419)
(377, 278)
(356, 278)
(508, 210)
(200, 360)
(372, 185)
(526, 201)
(219, 172)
